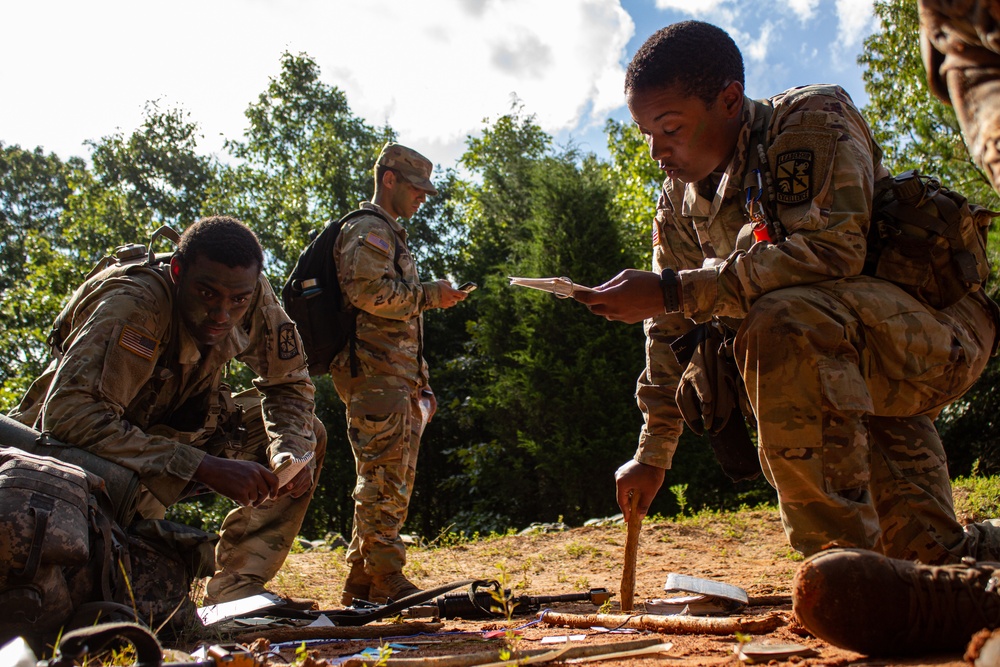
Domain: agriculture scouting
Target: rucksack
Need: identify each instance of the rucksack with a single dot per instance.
(313, 299)
(927, 239)
(66, 563)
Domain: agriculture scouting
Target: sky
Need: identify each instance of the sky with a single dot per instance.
(434, 70)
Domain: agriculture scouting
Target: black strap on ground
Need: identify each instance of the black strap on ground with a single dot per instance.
(354, 616)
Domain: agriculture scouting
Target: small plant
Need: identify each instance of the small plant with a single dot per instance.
(502, 599)
(680, 495)
(384, 653)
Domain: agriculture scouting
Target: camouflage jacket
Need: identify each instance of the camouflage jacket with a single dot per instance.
(389, 298)
(823, 162)
(129, 383)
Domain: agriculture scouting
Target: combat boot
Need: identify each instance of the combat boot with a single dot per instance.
(865, 602)
(357, 585)
(392, 587)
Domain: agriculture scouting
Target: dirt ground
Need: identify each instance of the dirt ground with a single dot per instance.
(747, 549)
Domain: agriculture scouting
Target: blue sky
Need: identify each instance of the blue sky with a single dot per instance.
(433, 69)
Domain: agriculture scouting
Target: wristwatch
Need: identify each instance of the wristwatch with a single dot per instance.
(670, 285)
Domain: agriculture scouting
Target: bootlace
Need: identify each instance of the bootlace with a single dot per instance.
(948, 599)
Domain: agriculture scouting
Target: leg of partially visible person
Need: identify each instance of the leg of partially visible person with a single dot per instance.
(254, 541)
(960, 42)
(840, 350)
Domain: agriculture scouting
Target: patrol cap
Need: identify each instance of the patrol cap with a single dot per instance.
(410, 164)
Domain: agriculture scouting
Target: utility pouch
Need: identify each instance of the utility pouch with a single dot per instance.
(927, 239)
(709, 398)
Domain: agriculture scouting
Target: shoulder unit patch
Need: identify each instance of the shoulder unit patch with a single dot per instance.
(793, 177)
(288, 345)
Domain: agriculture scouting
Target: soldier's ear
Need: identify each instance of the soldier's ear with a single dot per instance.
(175, 268)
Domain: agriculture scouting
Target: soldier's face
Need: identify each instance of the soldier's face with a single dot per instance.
(688, 139)
(212, 297)
(407, 198)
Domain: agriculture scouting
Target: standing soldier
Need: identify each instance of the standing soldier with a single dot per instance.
(381, 375)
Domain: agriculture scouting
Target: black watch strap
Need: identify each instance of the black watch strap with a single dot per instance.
(670, 285)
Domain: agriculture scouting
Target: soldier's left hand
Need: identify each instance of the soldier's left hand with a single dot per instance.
(631, 297)
(299, 486)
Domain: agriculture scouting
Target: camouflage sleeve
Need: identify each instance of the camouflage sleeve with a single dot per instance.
(657, 386)
(822, 156)
(368, 275)
(287, 393)
(109, 356)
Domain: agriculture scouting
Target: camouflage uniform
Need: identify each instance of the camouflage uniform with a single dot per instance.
(960, 42)
(131, 385)
(382, 397)
(845, 373)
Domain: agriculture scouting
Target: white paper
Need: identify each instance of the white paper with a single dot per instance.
(290, 467)
(224, 611)
(561, 287)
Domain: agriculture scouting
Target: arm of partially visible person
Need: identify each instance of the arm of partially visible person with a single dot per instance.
(274, 352)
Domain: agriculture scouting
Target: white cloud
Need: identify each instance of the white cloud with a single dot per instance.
(803, 9)
(856, 20)
(432, 69)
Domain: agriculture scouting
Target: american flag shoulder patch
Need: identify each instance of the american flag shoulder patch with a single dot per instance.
(379, 243)
(137, 342)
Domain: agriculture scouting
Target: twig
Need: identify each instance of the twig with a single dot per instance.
(708, 625)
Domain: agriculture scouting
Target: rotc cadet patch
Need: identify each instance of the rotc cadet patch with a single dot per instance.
(379, 243)
(138, 343)
(793, 177)
(288, 345)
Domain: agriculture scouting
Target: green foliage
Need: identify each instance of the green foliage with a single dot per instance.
(977, 497)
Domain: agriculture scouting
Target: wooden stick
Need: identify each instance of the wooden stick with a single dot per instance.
(485, 658)
(678, 625)
(275, 635)
(631, 551)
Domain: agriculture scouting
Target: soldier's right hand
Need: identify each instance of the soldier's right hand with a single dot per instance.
(247, 483)
(641, 478)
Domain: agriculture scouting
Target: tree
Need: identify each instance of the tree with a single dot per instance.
(34, 187)
(305, 158)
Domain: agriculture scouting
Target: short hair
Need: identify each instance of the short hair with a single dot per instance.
(699, 57)
(223, 239)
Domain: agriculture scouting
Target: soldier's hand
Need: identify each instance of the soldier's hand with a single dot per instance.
(640, 478)
(631, 297)
(299, 486)
(449, 295)
(247, 483)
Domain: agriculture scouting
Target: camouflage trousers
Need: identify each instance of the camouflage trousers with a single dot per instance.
(845, 379)
(960, 43)
(253, 541)
(383, 426)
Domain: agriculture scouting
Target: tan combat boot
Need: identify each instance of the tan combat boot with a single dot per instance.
(392, 587)
(357, 585)
(879, 606)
